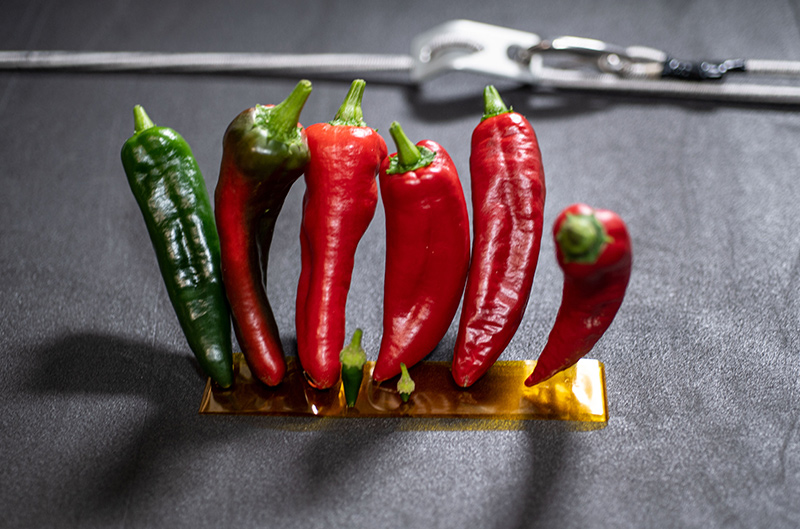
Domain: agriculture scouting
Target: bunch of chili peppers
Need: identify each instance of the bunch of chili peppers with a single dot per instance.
(431, 263)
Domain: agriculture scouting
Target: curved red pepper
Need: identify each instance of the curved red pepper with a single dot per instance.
(264, 153)
(339, 203)
(427, 251)
(508, 194)
(593, 249)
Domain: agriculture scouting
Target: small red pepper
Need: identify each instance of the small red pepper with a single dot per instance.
(593, 249)
(338, 206)
(264, 153)
(427, 251)
(508, 194)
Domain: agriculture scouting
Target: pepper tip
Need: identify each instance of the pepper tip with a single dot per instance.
(535, 378)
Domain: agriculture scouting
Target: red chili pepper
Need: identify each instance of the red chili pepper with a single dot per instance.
(427, 251)
(593, 249)
(264, 153)
(339, 203)
(508, 194)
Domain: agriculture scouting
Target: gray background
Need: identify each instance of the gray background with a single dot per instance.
(99, 393)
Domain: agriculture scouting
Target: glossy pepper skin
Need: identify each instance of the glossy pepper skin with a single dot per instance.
(508, 195)
(169, 188)
(264, 152)
(594, 251)
(338, 206)
(427, 251)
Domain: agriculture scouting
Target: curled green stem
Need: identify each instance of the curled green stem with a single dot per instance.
(281, 120)
(409, 157)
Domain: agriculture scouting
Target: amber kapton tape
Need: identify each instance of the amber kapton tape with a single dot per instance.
(576, 394)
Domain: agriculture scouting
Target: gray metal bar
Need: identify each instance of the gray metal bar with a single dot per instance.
(322, 63)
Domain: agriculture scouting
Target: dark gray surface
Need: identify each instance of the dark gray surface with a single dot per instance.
(99, 393)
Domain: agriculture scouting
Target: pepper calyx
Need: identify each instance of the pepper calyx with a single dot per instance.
(409, 157)
(350, 113)
(493, 104)
(405, 386)
(141, 121)
(353, 355)
(582, 238)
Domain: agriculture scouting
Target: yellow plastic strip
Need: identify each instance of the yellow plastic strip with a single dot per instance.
(576, 394)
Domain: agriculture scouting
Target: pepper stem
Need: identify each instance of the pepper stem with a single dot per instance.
(353, 358)
(405, 386)
(493, 104)
(407, 152)
(141, 121)
(350, 112)
(409, 156)
(284, 116)
(581, 238)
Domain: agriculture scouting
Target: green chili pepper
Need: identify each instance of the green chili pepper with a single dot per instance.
(405, 386)
(171, 193)
(353, 358)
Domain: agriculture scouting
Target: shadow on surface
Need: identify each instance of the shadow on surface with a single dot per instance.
(160, 421)
(72, 369)
(169, 383)
(547, 442)
(562, 104)
(98, 364)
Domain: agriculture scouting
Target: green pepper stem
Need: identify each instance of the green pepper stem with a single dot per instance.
(581, 238)
(141, 120)
(405, 386)
(350, 113)
(409, 156)
(493, 104)
(356, 341)
(407, 152)
(285, 115)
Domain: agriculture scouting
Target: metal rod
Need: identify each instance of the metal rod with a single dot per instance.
(740, 92)
(321, 63)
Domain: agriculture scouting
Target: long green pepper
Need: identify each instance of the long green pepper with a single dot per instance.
(171, 193)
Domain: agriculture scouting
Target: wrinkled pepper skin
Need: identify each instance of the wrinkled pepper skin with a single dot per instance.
(427, 258)
(171, 193)
(264, 152)
(339, 204)
(593, 249)
(508, 196)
